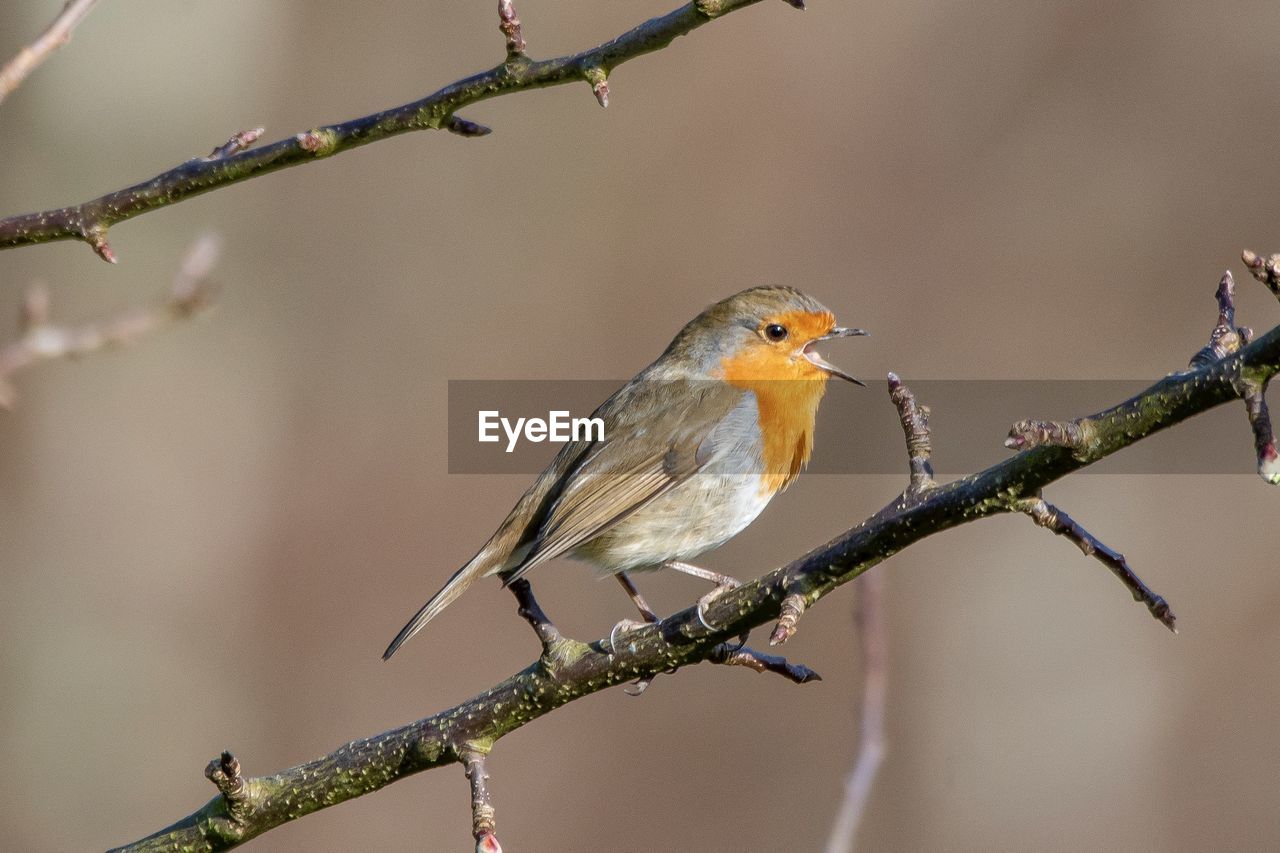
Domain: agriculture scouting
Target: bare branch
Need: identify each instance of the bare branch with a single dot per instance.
(42, 340)
(90, 220)
(1051, 518)
(873, 643)
(31, 56)
(484, 824)
(578, 669)
(461, 127)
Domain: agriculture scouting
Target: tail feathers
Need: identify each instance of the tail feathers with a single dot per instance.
(463, 578)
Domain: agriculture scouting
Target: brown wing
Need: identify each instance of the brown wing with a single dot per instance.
(612, 479)
(591, 486)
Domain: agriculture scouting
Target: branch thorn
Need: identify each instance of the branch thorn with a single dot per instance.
(599, 81)
(237, 143)
(96, 237)
(463, 127)
(793, 607)
(224, 772)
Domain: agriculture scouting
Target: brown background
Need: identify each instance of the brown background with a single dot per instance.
(206, 540)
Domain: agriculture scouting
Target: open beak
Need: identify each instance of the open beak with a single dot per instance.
(822, 364)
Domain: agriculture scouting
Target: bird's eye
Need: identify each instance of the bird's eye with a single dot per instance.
(775, 332)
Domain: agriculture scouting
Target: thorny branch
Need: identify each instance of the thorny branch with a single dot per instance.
(89, 221)
(568, 669)
(31, 56)
(43, 340)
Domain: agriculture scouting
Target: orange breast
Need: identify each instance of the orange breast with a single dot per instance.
(787, 394)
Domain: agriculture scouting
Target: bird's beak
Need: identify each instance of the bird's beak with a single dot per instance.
(841, 332)
(822, 364)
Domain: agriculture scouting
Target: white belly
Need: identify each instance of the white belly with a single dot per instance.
(702, 513)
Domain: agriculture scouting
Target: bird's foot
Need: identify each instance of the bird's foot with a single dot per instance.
(626, 626)
(723, 583)
(726, 584)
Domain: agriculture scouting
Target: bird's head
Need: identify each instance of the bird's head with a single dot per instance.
(766, 333)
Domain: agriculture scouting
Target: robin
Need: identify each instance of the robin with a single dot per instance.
(694, 448)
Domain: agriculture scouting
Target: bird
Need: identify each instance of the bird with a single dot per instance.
(693, 449)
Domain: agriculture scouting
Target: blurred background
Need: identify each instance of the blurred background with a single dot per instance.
(207, 539)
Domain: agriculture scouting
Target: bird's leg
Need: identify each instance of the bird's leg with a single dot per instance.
(532, 613)
(638, 600)
(723, 583)
(630, 625)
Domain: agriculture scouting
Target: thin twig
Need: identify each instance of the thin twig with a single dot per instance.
(733, 655)
(31, 56)
(914, 418)
(1051, 518)
(363, 766)
(1225, 338)
(872, 630)
(510, 26)
(1253, 387)
(89, 221)
(873, 643)
(42, 340)
(1264, 440)
(484, 824)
